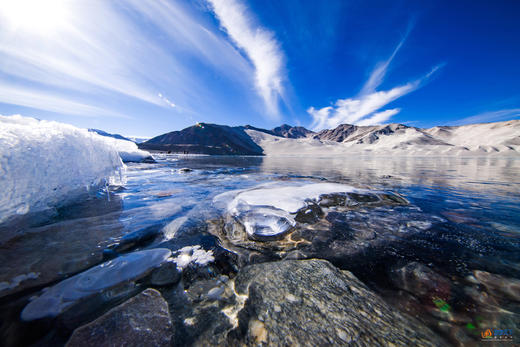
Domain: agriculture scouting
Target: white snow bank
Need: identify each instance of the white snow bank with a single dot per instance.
(127, 150)
(44, 164)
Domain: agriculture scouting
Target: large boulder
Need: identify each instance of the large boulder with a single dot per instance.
(144, 320)
(312, 303)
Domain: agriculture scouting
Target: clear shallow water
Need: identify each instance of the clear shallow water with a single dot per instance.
(470, 207)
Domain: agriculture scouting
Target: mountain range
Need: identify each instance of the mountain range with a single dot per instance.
(346, 139)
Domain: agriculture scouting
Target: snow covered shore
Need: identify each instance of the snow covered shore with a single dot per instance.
(44, 164)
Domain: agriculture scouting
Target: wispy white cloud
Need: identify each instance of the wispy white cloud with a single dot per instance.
(378, 74)
(358, 110)
(259, 44)
(320, 117)
(362, 109)
(490, 116)
(166, 100)
(49, 102)
(188, 33)
(379, 117)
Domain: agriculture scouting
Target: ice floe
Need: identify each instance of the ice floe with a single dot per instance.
(288, 197)
(268, 211)
(110, 274)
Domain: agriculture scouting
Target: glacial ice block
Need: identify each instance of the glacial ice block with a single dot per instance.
(43, 163)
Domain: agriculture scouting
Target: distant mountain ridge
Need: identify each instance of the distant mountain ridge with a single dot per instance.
(104, 133)
(284, 130)
(372, 133)
(501, 138)
(292, 132)
(205, 138)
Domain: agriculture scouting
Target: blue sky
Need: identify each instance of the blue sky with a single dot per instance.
(142, 68)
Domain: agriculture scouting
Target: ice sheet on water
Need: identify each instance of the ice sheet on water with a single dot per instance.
(284, 196)
(45, 163)
(267, 211)
(67, 293)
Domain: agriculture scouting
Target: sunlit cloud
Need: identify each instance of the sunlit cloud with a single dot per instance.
(260, 46)
(362, 109)
(97, 50)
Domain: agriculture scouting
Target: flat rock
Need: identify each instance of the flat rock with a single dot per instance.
(144, 320)
(312, 303)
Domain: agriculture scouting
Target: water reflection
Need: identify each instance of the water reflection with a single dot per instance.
(498, 175)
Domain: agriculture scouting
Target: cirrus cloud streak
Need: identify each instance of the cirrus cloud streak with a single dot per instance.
(362, 109)
(260, 46)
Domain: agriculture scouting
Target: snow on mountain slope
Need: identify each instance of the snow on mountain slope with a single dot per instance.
(501, 138)
(44, 164)
(481, 136)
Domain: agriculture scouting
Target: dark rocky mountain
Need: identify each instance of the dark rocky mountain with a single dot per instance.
(284, 130)
(291, 132)
(104, 133)
(204, 138)
(360, 134)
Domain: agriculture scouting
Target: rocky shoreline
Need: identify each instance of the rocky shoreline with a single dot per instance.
(291, 302)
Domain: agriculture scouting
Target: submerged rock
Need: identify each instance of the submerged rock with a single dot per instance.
(508, 287)
(422, 281)
(98, 279)
(351, 235)
(309, 214)
(312, 303)
(166, 274)
(144, 320)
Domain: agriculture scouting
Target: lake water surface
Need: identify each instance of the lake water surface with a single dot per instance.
(450, 257)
